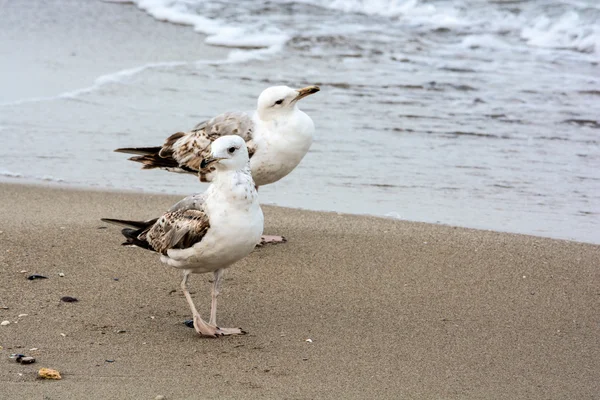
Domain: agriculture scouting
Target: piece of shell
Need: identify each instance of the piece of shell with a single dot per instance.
(68, 299)
(26, 360)
(4, 323)
(47, 373)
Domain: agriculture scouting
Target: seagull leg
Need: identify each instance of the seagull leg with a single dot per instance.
(216, 289)
(199, 324)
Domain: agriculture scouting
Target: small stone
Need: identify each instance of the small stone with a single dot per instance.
(160, 397)
(61, 274)
(34, 349)
(4, 323)
(121, 331)
(27, 360)
(23, 271)
(110, 361)
(308, 340)
(116, 279)
(68, 299)
(63, 334)
(23, 315)
(47, 373)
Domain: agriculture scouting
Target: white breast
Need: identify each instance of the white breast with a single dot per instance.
(236, 224)
(280, 147)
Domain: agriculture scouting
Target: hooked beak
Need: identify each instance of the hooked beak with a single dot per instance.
(307, 91)
(207, 162)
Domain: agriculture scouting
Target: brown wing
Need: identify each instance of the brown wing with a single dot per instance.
(184, 151)
(179, 229)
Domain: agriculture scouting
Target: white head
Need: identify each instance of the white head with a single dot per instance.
(277, 101)
(227, 153)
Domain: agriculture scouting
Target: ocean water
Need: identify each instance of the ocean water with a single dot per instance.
(477, 113)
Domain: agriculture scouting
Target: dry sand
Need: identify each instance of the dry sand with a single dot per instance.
(394, 309)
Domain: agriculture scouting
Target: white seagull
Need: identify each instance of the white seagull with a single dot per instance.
(208, 232)
(278, 135)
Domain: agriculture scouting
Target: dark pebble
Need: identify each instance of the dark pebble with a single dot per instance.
(189, 323)
(27, 360)
(68, 299)
(36, 276)
(116, 279)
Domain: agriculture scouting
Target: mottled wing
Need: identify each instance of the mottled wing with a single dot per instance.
(190, 148)
(179, 229)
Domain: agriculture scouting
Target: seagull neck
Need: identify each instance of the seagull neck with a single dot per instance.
(276, 116)
(230, 178)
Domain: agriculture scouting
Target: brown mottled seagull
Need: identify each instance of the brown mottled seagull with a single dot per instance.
(210, 232)
(277, 134)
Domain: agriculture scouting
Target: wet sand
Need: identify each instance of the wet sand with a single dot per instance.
(394, 309)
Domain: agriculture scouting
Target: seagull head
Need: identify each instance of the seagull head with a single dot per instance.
(278, 101)
(227, 153)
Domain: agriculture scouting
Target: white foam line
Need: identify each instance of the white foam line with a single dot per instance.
(102, 80)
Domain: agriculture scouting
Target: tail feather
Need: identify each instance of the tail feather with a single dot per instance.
(151, 161)
(127, 223)
(139, 150)
(132, 239)
(134, 231)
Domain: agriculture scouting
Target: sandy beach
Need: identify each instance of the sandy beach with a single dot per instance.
(394, 309)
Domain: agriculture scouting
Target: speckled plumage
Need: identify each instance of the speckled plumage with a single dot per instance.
(211, 231)
(277, 138)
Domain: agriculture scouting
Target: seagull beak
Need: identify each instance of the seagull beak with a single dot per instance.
(207, 162)
(307, 91)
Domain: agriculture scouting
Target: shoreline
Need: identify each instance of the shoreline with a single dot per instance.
(393, 308)
(75, 187)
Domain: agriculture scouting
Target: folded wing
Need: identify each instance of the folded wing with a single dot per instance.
(184, 151)
(179, 229)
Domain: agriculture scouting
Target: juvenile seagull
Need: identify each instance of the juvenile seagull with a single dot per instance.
(208, 232)
(277, 134)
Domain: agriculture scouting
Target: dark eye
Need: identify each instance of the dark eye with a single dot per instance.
(279, 101)
(231, 150)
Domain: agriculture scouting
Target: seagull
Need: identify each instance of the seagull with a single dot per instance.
(278, 135)
(207, 232)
